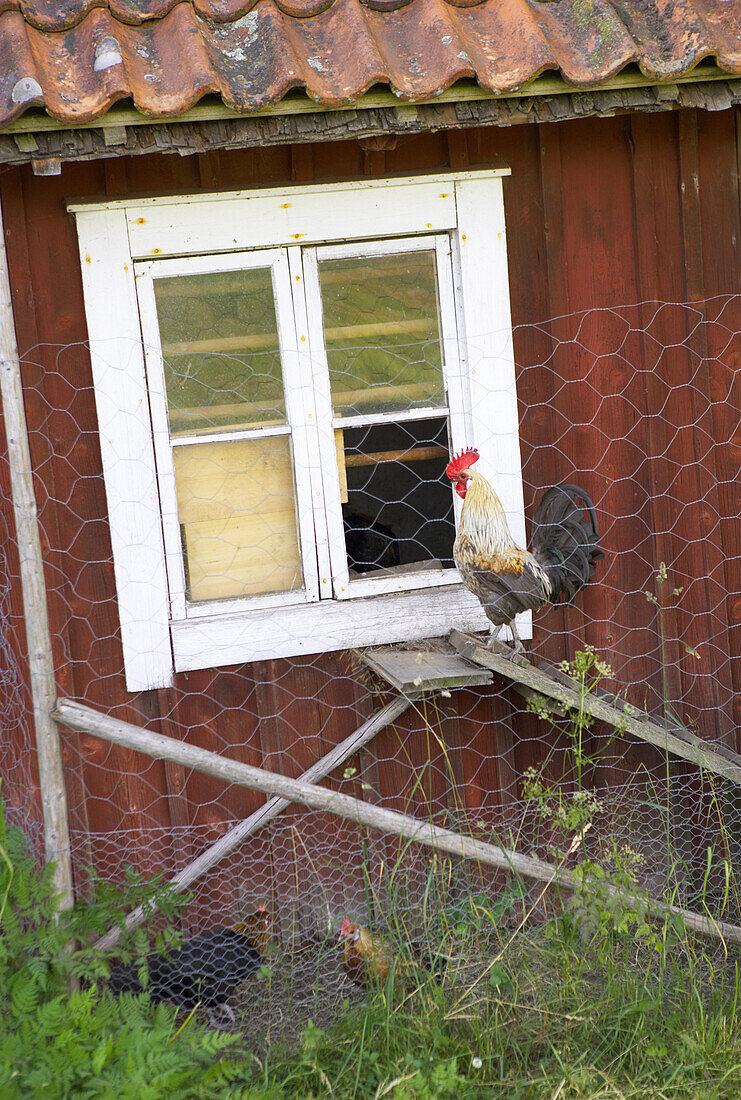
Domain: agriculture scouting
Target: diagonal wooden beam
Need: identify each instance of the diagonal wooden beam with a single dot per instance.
(622, 716)
(267, 812)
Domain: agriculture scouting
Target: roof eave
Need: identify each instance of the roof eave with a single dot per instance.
(35, 121)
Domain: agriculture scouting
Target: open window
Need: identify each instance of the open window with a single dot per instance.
(279, 395)
(385, 353)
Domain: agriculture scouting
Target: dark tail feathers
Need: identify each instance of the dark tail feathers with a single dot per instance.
(566, 539)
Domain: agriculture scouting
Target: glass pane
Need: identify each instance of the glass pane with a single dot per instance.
(397, 505)
(236, 504)
(382, 332)
(220, 345)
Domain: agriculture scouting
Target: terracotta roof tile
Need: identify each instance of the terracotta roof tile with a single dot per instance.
(78, 57)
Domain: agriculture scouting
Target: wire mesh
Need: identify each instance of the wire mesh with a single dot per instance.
(639, 404)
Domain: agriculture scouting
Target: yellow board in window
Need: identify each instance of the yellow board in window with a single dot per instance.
(339, 442)
(236, 507)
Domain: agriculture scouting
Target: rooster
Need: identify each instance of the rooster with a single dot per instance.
(204, 970)
(505, 578)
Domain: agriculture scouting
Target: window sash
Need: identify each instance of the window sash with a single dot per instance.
(317, 491)
(299, 415)
(453, 379)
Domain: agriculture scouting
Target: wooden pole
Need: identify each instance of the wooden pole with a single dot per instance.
(38, 638)
(86, 720)
(718, 759)
(267, 812)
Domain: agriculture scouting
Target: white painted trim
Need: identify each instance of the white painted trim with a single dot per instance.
(126, 446)
(359, 250)
(300, 410)
(325, 626)
(287, 218)
(327, 451)
(153, 360)
(479, 382)
(485, 328)
(436, 178)
(427, 413)
(454, 377)
(232, 436)
(401, 582)
(206, 265)
(305, 369)
(239, 605)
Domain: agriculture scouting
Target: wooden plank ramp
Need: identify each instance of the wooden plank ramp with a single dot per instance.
(555, 685)
(417, 669)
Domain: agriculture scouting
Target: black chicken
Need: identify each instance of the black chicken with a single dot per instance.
(370, 544)
(204, 970)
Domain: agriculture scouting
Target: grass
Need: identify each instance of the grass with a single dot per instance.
(552, 1018)
(599, 1002)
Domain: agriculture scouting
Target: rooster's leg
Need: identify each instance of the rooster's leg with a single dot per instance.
(518, 648)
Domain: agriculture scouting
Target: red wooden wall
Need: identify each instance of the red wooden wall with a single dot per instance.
(601, 213)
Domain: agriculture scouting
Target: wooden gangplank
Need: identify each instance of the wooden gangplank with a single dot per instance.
(419, 669)
(622, 716)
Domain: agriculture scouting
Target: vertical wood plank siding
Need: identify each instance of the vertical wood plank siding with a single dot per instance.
(600, 212)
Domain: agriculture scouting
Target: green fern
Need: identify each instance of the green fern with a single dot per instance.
(24, 993)
(55, 1045)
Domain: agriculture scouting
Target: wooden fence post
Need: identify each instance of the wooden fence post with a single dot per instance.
(35, 613)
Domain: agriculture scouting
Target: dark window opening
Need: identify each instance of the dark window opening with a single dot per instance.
(399, 509)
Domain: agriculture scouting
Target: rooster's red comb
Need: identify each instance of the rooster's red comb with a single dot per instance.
(461, 462)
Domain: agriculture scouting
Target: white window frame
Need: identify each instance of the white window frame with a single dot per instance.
(467, 207)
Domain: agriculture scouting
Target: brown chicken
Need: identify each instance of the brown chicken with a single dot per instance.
(369, 959)
(505, 578)
(256, 927)
(366, 958)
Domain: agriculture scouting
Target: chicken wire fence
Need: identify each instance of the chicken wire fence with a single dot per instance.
(639, 405)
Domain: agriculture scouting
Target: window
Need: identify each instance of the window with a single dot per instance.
(278, 389)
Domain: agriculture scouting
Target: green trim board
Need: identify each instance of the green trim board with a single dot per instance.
(297, 103)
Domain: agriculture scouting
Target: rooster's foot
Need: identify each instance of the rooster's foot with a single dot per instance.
(516, 652)
(513, 653)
